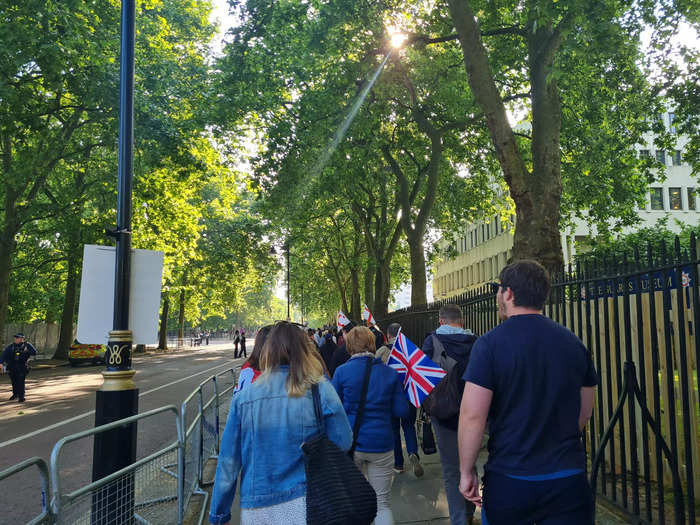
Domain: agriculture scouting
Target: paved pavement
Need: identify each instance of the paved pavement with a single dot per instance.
(422, 501)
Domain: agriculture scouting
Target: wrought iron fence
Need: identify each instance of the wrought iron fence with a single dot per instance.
(640, 320)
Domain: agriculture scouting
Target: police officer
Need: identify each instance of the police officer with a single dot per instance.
(14, 358)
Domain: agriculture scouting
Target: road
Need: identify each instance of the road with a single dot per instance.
(61, 401)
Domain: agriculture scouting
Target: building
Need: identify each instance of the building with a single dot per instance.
(484, 247)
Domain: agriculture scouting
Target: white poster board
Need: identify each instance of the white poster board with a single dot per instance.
(96, 309)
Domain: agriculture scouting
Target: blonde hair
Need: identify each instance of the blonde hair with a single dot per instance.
(360, 339)
(288, 345)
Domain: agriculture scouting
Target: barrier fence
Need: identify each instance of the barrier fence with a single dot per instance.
(153, 490)
(640, 319)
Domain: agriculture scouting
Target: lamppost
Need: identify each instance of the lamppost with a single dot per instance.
(286, 249)
(118, 396)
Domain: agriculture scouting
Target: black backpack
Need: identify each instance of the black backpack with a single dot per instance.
(444, 400)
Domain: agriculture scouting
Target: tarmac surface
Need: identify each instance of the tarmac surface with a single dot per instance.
(422, 501)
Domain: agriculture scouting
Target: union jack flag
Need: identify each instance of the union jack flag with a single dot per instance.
(418, 373)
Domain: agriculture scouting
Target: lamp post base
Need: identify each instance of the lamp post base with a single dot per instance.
(115, 449)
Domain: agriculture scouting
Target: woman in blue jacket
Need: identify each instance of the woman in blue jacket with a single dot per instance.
(266, 426)
(374, 451)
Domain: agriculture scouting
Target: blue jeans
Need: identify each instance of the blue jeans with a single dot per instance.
(409, 433)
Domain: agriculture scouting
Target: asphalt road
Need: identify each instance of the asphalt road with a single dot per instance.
(61, 401)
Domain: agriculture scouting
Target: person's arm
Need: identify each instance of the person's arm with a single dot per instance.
(336, 382)
(227, 469)
(399, 404)
(427, 347)
(473, 412)
(337, 424)
(587, 396)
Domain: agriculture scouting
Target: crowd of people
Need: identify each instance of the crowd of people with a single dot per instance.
(529, 380)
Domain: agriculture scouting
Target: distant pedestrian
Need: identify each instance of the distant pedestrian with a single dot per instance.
(341, 355)
(327, 349)
(533, 380)
(408, 423)
(243, 352)
(250, 370)
(236, 341)
(14, 359)
(385, 399)
(266, 426)
(207, 335)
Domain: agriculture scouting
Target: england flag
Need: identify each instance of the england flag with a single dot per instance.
(342, 319)
(367, 315)
(418, 373)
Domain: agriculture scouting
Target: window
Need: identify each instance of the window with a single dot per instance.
(661, 156)
(674, 199)
(671, 118)
(657, 199)
(692, 199)
(677, 157)
(644, 154)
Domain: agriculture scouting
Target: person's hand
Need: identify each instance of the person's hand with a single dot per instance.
(469, 486)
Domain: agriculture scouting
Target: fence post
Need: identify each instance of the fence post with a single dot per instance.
(200, 473)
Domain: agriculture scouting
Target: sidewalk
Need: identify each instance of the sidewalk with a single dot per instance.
(422, 501)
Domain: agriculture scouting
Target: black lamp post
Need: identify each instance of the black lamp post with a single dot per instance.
(118, 397)
(286, 249)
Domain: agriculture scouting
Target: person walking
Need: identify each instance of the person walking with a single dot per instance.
(534, 380)
(267, 423)
(408, 424)
(243, 352)
(327, 349)
(456, 342)
(236, 341)
(250, 370)
(385, 399)
(14, 359)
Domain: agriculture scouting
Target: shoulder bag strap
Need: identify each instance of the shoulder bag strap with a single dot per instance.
(315, 394)
(361, 406)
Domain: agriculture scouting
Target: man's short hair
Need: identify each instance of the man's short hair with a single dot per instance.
(451, 313)
(529, 281)
(393, 329)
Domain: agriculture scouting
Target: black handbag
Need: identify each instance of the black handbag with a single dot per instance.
(425, 433)
(337, 493)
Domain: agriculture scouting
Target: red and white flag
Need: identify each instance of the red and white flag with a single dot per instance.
(342, 319)
(367, 315)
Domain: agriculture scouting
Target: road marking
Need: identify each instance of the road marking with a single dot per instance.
(76, 418)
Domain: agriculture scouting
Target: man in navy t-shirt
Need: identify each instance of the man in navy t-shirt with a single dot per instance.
(533, 380)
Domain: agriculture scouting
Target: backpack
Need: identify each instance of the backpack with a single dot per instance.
(444, 400)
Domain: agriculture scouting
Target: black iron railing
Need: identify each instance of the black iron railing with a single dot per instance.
(640, 320)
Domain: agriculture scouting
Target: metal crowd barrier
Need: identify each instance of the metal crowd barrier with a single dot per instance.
(162, 483)
(46, 517)
(148, 479)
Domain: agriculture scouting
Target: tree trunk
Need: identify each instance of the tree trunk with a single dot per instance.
(67, 317)
(181, 316)
(419, 294)
(537, 196)
(538, 211)
(369, 283)
(7, 250)
(163, 335)
(382, 289)
(355, 307)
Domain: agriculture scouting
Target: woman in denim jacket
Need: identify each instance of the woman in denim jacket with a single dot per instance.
(374, 452)
(267, 423)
